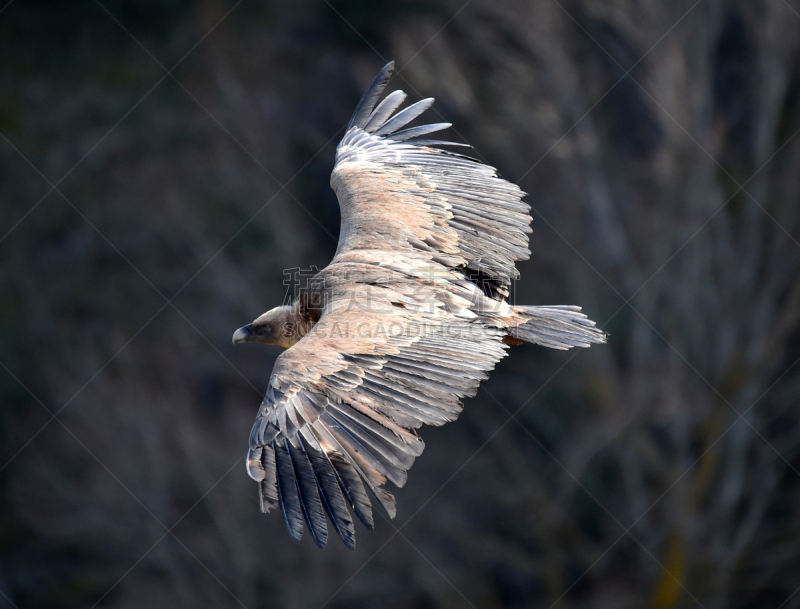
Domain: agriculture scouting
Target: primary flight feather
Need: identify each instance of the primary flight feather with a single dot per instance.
(406, 321)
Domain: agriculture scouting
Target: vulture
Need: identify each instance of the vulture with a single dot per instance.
(403, 324)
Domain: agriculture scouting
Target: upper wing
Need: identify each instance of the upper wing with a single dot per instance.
(343, 403)
(400, 193)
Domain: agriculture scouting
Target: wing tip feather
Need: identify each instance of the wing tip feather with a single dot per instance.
(367, 102)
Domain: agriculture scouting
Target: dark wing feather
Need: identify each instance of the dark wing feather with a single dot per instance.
(354, 439)
(261, 467)
(287, 490)
(353, 488)
(331, 494)
(365, 469)
(367, 102)
(384, 110)
(310, 501)
(404, 117)
(440, 143)
(407, 134)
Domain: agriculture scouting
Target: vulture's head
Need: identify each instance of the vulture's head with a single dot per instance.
(275, 327)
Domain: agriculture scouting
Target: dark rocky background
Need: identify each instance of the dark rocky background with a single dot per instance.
(658, 143)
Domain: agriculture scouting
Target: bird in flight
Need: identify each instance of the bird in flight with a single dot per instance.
(406, 321)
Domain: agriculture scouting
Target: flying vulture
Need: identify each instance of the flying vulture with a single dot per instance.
(406, 321)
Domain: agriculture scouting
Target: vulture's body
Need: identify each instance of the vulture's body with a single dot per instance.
(406, 321)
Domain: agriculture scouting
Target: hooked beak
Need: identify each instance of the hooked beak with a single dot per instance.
(243, 334)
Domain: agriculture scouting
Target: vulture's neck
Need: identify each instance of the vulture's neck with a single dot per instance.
(301, 317)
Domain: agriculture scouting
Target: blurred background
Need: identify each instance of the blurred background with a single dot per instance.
(162, 162)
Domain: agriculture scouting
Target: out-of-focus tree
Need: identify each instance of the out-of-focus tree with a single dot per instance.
(657, 142)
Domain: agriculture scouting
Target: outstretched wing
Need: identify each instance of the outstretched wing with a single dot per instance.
(398, 193)
(426, 236)
(339, 416)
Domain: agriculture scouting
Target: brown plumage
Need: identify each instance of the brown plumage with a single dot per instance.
(405, 322)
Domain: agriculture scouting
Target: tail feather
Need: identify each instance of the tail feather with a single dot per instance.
(557, 327)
